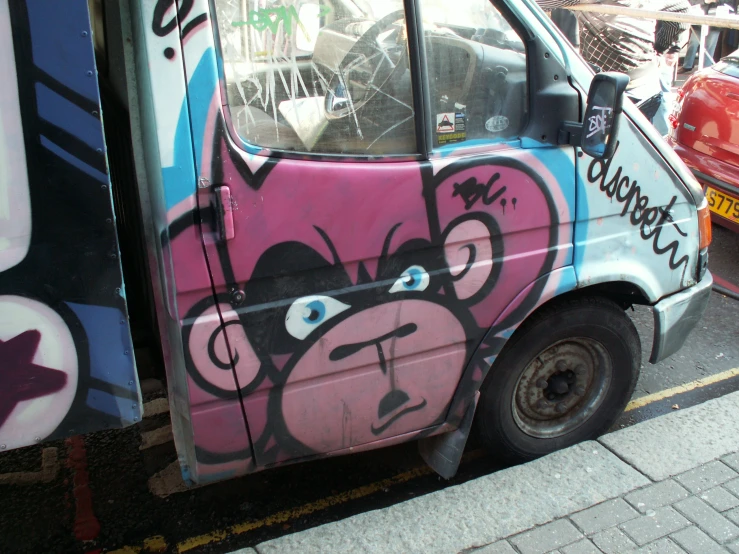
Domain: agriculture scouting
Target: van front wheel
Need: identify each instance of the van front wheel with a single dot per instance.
(564, 377)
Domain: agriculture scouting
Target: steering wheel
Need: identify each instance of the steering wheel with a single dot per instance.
(365, 68)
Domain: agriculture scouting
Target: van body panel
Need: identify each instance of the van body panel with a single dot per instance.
(675, 317)
(636, 222)
(313, 302)
(65, 344)
(506, 212)
(183, 268)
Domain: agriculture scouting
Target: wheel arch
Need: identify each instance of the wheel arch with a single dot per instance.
(561, 287)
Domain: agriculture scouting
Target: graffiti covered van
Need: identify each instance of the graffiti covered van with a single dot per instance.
(340, 224)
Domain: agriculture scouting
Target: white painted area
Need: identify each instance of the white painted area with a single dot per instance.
(611, 247)
(15, 203)
(166, 75)
(37, 418)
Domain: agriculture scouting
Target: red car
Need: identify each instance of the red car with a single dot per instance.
(705, 134)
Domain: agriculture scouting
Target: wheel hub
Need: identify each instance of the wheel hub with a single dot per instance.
(561, 387)
(558, 385)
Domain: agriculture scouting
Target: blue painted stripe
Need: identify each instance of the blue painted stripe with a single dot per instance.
(62, 43)
(201, 89)
(62, 113)
(179, 179)
(568, 281)
(560, 163)
(79, 164)
(109, 340)
(115, 406)
(581, 223)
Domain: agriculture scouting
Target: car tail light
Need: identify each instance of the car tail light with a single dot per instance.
(680, 94)
(672, 118)
(704, 225)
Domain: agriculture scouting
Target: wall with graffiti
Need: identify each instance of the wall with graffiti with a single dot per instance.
(66, 360)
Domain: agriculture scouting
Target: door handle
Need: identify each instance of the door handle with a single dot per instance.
(224, 217)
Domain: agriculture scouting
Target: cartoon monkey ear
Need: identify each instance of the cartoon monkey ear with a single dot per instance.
(213, 346)
(468, 249)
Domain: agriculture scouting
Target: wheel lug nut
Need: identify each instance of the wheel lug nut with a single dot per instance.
(580, 370)
(542, 383)
(560, 365)
(580, 391)
(561, 408)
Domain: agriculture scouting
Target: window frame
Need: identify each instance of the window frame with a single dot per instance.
(524, 35)
(420, 93)
(415, 67)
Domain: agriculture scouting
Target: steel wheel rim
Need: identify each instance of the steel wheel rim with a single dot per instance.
(561, 387)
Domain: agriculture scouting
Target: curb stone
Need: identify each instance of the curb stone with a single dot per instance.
(475, 516)
(679, 441)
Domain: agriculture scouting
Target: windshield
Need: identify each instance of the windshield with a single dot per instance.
(329, 76)
(729, 65)
(333, 76)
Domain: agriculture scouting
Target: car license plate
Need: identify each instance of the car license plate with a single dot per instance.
(723, 204)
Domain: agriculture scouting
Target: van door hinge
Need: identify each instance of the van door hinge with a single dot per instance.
(223, 211)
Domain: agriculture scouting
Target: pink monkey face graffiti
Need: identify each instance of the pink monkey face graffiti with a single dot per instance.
(374, 358)
(360, 316)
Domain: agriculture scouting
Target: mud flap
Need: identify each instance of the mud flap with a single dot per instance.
(444, 452)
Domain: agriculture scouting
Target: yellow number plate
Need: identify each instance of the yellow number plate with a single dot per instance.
(723, 204)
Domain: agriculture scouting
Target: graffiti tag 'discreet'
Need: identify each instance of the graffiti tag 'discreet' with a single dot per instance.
(650, 219)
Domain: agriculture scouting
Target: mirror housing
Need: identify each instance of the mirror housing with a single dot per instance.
(605, 104)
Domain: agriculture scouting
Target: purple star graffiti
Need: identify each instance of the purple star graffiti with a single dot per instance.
(20, 378)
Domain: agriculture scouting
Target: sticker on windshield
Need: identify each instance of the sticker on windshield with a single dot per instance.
(451, 127)
(497, 123)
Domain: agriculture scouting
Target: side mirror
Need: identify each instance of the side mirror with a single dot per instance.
(605, 103)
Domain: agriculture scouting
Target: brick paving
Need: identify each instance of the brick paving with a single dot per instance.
(669, 485)
(696, 512)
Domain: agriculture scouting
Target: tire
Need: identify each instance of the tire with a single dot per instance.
(564, 377)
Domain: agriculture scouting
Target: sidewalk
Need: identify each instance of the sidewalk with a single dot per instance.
(667, 485)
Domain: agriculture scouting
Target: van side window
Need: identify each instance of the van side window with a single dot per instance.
(476, 71)
(318, 76)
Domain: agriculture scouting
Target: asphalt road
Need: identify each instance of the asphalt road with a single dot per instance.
(96, 495)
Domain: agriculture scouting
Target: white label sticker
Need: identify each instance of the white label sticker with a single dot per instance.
(496, 123)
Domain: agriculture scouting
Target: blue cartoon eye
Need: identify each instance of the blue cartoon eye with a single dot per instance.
(414, 278)
(308, 312)
(315, 311)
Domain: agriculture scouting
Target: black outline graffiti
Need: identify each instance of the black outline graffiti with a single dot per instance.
(471, 191)
(182, 10)
(650, 219)
(275, 444)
